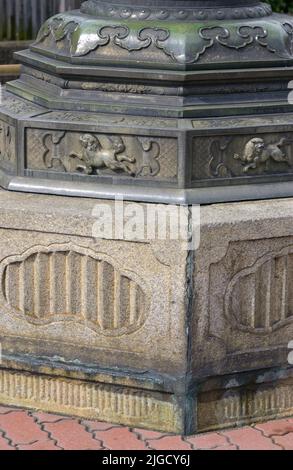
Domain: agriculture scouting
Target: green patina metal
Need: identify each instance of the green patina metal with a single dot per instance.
(82, 38)
(167, 66)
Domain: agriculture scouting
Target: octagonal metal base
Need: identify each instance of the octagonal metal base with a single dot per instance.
(142, 158)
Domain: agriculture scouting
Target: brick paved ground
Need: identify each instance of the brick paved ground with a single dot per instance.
(28, 430)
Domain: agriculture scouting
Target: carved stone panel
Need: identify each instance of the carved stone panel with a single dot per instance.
(260, 298)
(251, 302)
(7, 146)
(105, 302)
(221, 157)
(102, 154)
(65, 284)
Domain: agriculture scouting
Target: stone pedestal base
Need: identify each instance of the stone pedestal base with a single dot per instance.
(142, 332)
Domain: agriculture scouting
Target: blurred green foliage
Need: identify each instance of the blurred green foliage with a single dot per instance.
(282, 5)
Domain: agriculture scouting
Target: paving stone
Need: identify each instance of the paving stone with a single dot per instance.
(169, 442)
(48, 417)
(71, 435)
(207, 441)
(227, 447)
(250, 439)
(120, 439)
(276, 428)
(285, 441)
(40, 445)
(98, 425)
(146, 434)
(4, 444)
(5, 409)
(21, 428)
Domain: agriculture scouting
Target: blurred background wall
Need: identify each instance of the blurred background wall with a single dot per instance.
(21, 19)
(285, 6)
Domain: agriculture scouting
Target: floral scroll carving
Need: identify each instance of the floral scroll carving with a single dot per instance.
(81, 36)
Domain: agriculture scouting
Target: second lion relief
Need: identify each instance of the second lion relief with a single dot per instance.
(235, 156)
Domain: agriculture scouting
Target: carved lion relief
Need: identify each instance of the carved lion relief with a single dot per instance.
(94, 156)
(235, 156)
(63, 283)
(257, 153)
(101, 154)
